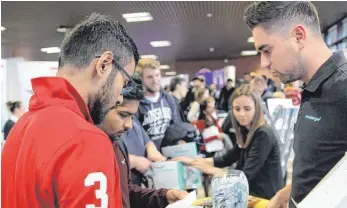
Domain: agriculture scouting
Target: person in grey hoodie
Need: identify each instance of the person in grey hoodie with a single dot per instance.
(158, 110)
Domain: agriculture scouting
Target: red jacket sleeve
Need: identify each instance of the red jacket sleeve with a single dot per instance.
(87, 173)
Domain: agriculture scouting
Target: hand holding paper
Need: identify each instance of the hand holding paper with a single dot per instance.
(186, 202)
(174, 195)
(185, 160)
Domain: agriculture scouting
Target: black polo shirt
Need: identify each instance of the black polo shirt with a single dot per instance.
(321, 129)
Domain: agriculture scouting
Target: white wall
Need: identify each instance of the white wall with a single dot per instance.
(230, 73)
(28, 70)
(16, 74)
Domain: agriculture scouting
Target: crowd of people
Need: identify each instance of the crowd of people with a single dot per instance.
(92, 132)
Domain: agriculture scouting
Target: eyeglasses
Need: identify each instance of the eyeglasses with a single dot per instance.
(121, 68)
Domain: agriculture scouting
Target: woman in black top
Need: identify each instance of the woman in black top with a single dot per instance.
(257, 150)
(17, 111)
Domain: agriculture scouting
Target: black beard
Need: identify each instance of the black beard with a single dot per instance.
(103, 98)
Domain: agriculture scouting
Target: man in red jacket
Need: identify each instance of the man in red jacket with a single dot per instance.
(117, 122)
(54, 156)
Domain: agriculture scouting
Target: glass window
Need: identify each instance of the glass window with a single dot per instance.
(342, 46)
(344, 28)
(332, 35)
(333, 48)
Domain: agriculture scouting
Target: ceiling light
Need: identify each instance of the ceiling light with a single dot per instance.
(211, 50)
(171, 73)
(3, 28)
(63, 29)
(162, 43)
(51, 50)
(209, 15)
(250, 40)
(137, 17)
(164, 67)
(249, 53)
(149, 56)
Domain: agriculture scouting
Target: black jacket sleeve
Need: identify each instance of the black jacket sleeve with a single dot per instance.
(227, 159)
(7, 128)
(259, 150)
(147, 198)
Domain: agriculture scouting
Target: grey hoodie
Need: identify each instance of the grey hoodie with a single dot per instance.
(156, 117)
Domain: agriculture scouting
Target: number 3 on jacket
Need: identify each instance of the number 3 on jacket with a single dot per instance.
(101, 193)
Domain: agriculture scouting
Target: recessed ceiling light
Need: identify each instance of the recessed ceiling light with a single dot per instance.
(137, 17)
(164, 67)
(149, 56)
(50, 50)
(250, 40)
(63, 29)
(3, 28)
(249, 53)
(162, 43)
(209, 15)
(171, 73)
(211, 50)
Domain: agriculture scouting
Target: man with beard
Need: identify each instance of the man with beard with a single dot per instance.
(158, 110)
(288, 37)
(117, 122)
(54, 155)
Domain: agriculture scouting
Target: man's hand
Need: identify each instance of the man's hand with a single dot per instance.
(142, 164)
(220, 137)
(174, 195)
(156, 156)
(281, 199)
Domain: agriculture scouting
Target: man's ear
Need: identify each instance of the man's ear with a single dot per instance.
(299, 33)
(104, 63)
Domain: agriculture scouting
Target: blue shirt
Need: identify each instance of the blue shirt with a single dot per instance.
(135, 139)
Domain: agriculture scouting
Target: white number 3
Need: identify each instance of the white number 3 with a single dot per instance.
(101, 193)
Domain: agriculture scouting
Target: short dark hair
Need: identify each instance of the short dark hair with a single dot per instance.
(134, 91)
(229, 80)
(277, 15)
(175, 81)
(93, 36)
(247, 73)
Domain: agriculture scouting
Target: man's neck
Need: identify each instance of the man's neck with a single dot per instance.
(151, 94)
(177, 95)
(78, 82)
(315, 61)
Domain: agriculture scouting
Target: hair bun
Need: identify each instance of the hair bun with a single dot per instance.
(9, 104)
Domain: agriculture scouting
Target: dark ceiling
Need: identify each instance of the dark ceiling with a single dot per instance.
(32, 25)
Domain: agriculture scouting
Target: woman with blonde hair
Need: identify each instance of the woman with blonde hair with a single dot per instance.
(200, 96)
(257, 151)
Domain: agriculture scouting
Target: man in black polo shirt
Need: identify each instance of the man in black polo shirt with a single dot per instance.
(288, 36)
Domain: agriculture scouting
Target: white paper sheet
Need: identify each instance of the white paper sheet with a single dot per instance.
(184, 203)
(331, 191)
